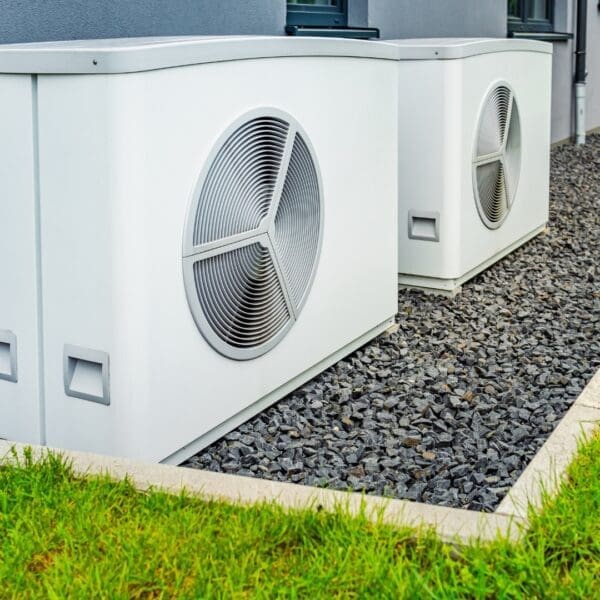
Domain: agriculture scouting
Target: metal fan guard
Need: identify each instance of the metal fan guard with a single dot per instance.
(497, 156)
(253, 234)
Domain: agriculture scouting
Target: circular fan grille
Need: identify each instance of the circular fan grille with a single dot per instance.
(497, 156)
(253, 237)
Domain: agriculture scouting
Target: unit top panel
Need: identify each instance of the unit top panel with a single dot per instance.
(127, 55)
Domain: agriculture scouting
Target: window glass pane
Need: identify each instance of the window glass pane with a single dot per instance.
(317, 13)
(314, 2)
(538, 9)
(514, 9)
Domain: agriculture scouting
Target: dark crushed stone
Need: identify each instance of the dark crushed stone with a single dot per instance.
(451, 408)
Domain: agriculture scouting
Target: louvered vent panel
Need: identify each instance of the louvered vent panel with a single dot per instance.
(497, 160)
(493, 121)
(239, 186)
(255, 237)
(297, 222)
(512, 155)
(241, 296)
(492, 191)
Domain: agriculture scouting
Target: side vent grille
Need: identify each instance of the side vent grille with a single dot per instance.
(497, 161)
(253, 237)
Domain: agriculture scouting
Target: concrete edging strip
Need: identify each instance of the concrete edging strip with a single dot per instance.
(451, 524)
(544, 473)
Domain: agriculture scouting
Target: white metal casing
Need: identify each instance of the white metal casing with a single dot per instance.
(20, 400)
(440, 101)
(119, 158)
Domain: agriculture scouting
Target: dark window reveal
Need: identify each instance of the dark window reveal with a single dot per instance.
(535, 16)
(317, 13)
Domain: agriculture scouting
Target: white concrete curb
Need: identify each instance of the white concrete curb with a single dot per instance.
(544, 473)
(453, 525)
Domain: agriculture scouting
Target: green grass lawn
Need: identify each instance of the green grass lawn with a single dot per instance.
(66, 537)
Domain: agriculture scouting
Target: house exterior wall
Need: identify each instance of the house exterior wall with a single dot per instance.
(37, 20)
(42, 20)
(563, 96)
(593, 65)
(563, 65)
(438, 18)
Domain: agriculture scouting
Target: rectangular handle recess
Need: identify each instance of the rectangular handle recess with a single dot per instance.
(8, 356)
(424, 225)
(86, 374)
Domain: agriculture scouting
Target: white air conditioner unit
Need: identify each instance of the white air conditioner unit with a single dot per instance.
(217, 225)
(473, 163)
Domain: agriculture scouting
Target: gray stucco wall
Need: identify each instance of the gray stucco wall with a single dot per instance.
(593, 65)
(438, 18)
(563, 100)
(40, 20)
(562, 73)
(37, 20)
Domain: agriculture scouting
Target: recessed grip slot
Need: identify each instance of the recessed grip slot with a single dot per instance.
(424, 225)
(8, 356)
(86, 374)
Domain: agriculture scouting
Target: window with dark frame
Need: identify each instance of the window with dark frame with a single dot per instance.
(530, 16)
(317, 13)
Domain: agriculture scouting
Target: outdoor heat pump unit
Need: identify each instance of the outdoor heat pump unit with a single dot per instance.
(184, 233)
(473, 154)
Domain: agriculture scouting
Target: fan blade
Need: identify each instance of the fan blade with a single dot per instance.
(492, 191)
(238, 189)
(493, 122)
(241, 296)
(297, 223)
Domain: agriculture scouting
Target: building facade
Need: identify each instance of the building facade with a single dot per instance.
(554, 20)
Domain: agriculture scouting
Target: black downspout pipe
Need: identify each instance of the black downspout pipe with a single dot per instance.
(580, 51)
(580, 71)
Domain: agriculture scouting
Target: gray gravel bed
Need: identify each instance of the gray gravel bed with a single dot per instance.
(451, 408)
